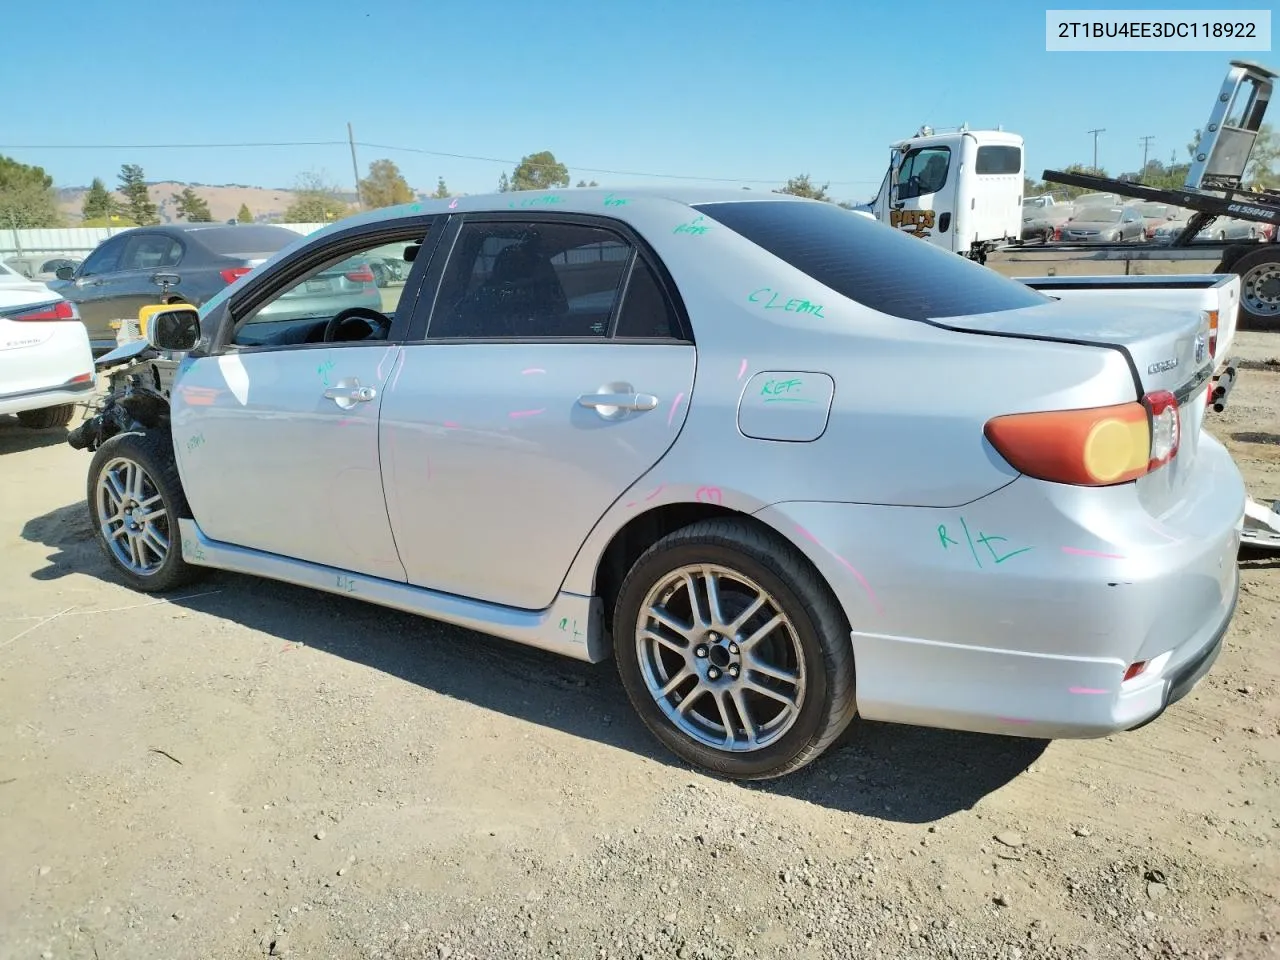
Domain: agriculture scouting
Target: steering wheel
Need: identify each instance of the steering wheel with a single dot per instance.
(370, 319)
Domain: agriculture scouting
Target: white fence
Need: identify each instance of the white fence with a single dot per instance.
(78, 241)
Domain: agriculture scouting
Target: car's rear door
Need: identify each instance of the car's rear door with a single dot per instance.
(495, 463)
(276, 430)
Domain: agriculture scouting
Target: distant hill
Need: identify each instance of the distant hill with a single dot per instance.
(265, 203)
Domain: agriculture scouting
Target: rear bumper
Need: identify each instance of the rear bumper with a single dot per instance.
(1020, 613)
(48, 397)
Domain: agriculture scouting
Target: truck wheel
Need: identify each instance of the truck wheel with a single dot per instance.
(135, 500)
(48, 418)
(733, 650)
(1259, 273)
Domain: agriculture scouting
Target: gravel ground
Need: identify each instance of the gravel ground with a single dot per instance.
(253, 769)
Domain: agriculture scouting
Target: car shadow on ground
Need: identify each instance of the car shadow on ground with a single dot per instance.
(1254, 436)
(892, 772)
(15, 438)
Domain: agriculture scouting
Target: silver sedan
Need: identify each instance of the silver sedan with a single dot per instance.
(784, 466)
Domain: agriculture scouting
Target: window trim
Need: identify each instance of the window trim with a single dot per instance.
(301, 261)
(428, 298)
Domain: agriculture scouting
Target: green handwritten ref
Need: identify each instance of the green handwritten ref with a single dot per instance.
(785, 391)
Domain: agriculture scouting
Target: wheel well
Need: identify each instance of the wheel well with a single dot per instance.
(642, 532)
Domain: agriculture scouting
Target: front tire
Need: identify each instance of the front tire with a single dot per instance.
(135, 500)
(733, 650)
(47, 418)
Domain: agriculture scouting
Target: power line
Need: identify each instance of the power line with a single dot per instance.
(383, 146)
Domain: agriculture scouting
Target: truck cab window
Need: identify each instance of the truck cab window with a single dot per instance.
(923, 171)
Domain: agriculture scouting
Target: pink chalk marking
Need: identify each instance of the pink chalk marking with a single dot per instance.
(871, 594)
(631, 504)
(657, 490)
(450, 425)
(1086, 690)
(709, 495)
(1012, 720)
(390, 353)
(528, 370)
(674, 403)
(454, 204)
(515, 414)
(1076, 551)
(399, 370)
(347, 422)
(742, 369)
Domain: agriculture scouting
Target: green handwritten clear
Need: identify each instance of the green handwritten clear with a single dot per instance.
(792, 305)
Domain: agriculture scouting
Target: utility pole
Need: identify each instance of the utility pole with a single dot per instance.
(355, 167)
(1146, 145)
(1095, 146)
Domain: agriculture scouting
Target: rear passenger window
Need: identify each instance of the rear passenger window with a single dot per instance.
(646, 311)
(530, 280)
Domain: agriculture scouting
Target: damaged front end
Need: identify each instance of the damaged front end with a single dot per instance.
(139, 378)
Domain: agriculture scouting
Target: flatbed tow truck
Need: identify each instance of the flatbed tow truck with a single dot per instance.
(1215, 188)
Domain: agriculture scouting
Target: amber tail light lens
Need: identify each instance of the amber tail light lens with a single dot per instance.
(1094, 447)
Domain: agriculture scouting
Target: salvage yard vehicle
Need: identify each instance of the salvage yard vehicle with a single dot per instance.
(970, 207)
(640, 424)
(46, 367)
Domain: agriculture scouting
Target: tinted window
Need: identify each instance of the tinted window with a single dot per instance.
(149, 252)
(242, 239)
(923, 170)
(104, 258)
(886, 270)
(646, 311)
(998, 160)
(523, 280)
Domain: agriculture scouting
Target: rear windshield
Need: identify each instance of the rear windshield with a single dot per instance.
(230, 241)
(879, 267)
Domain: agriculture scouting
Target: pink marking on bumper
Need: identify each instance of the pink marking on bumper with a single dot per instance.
(1076, 551)
(1086, 690)
(517, 414)
(528, 370)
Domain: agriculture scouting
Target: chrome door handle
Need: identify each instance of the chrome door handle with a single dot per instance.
(619, 401)
(354, 394)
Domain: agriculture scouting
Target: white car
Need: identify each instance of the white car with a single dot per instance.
(46, 366)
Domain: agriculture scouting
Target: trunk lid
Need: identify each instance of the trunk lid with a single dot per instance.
(1166, 350)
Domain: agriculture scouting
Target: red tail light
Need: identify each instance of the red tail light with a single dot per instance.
(1095, 447)
(361, 274)
(62, 310)
(232, 274)
(1213, 333)
(1134, 670)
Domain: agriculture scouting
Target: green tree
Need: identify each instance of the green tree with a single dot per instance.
(384, 186)
(99, 202)
(802, 186)
(244, 216)
(503, 183)
(137, 201)
(539, 171)
(191, 206)
(315, 200)
(27, 200)
(442, 191)
(583, 183)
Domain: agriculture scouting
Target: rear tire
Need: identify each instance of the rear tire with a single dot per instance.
(754, 702)
(135, 500)
(47, 418)
(1259, 272)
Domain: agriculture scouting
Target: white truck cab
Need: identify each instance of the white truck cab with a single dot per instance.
(961, 191)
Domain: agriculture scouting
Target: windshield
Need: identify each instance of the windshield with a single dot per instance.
(1101, 214)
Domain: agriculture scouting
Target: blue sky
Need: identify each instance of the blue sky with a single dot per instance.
(748, 89)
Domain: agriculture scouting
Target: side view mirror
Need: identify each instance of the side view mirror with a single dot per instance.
(174, 327)
(65, 273)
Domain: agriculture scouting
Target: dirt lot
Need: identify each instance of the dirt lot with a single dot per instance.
(252, 768)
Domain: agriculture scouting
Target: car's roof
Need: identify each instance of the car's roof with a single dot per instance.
(615, 202)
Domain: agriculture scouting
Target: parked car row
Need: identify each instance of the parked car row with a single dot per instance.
(1106, 218)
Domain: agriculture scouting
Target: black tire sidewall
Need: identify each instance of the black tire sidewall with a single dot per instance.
(818, 660)
(148, 451)
(1268, 253)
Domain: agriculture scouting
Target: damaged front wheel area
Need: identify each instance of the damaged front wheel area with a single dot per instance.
(135, 500)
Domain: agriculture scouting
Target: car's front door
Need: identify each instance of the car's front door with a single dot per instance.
(276, 431)
(89, 291)
(495, 463)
